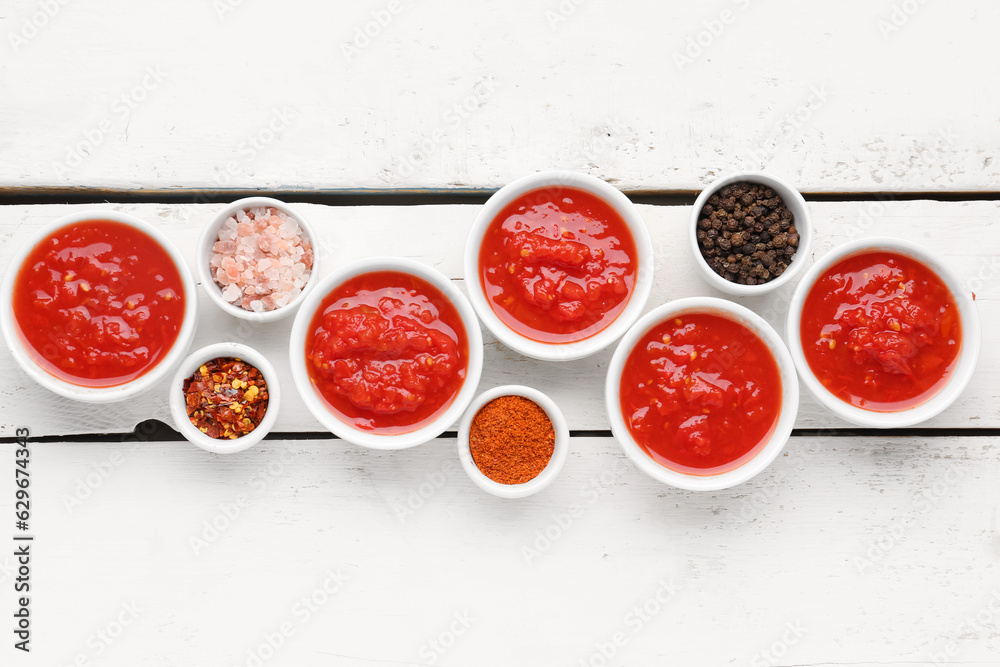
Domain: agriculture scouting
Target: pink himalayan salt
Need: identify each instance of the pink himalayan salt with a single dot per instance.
(262, 259)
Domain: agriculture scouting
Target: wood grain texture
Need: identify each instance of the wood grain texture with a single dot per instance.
(877, 550)
(967, 234)
(857, 96)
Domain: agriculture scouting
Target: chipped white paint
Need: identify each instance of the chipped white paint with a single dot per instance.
(966, 233)
(648, 95)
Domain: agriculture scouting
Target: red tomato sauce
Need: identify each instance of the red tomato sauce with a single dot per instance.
(881, 331)
(387, 351)
(99, 303)
(701, 393)
(558, 264)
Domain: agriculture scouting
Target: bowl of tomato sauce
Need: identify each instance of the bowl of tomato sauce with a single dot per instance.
(701, 394)
(98, 306)
(386, 353)
(884, 333)
(558, 265)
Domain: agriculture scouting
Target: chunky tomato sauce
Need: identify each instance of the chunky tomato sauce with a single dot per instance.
(881, 331)
(99, 303)
(387, 351)
(558, 265)
(701, 393)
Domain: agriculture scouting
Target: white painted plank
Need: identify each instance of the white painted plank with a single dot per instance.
(966, 233)
(785, 548)
(836, 97)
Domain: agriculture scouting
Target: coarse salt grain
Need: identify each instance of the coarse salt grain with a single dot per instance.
(261, 259)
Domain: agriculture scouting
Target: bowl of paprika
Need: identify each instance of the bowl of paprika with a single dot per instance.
(513, 441)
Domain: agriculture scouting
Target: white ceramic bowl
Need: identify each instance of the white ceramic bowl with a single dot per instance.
(643, 278)
(803, 225)
(789, 394)
(317, 406)
(968, 355)
(210, 234)
(178, 408)
(551, 470)
(24, 358)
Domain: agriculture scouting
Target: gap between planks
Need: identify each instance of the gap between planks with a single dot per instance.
(10, 196)
(160, 432)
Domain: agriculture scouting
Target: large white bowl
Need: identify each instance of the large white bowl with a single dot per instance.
(210, 234)
(315, 403)
(803, 225)
(968, 355)
(178, 406)
(789, 394)
(24, 358)
(637, 299)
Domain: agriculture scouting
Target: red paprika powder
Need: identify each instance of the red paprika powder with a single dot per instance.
(511, 439)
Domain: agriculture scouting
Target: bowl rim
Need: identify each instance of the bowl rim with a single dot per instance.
(210, 232)
(139, 385)
(187, 368)
(643, 280)
(316, 405)
(786, 416)
(968, 354)
(802, 220)
(552, 468)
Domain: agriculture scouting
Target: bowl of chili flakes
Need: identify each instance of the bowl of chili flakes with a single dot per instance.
(224, 398)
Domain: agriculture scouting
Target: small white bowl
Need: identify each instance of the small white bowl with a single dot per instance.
(24, 358)
(551, 470)
(178, 408)
(967, 356)
(210, 234)
(789, 394)
(803, 225)
(316, 404)
(643, 279)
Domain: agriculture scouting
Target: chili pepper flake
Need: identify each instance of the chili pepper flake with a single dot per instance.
(226, 398)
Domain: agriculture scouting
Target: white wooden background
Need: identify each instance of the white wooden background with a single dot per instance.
(850, 549)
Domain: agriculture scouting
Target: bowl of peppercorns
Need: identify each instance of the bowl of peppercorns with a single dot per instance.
(750, 233)
(224, 397)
